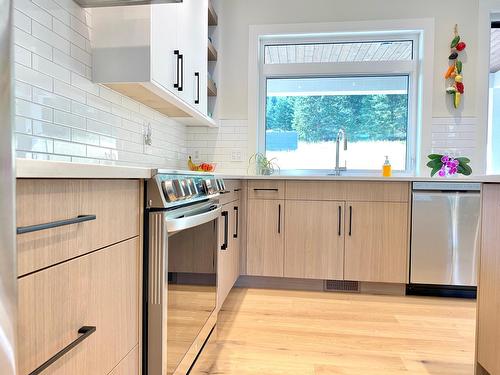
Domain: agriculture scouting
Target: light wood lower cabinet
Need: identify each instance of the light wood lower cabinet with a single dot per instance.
(376, 242)
(99, 289)
(115, 204)
(265, 239)
(488, 334)
(228, 261)
(314, 239)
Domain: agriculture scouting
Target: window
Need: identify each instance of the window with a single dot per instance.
(311, 89)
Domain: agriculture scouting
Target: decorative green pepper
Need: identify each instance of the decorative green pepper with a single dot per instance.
(451, 90)
(458, 66)
(455, 41)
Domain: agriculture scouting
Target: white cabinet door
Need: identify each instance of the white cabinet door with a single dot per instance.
(193, 36)
(165, 64)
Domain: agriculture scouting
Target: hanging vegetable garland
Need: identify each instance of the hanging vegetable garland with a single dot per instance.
(454, 71)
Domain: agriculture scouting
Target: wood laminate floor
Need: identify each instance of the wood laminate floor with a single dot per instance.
(270, 332)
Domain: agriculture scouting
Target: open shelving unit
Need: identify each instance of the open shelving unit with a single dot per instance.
(212, 56)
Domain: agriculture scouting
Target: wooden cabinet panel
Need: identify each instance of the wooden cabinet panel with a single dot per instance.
(314, 240)
(228, 267)
(100, 289)
(116, 204)
(265, 240)
(266, 189)
(128, 365)
(316, 190)
(376, 242)
(377, 191)
(488, 335)
(233, 191)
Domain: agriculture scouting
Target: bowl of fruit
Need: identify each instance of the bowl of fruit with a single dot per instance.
(202, 167)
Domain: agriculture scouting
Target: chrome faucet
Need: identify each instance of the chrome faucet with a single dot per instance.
(341, 136)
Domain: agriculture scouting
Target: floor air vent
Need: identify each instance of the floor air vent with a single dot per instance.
(341, 286)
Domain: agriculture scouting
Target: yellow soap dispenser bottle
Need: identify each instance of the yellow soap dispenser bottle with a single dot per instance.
(387, 168)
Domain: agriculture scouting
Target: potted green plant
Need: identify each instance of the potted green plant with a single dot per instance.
(263, 165)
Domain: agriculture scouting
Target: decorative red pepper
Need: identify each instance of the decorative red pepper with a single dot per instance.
(460, 87)
(461, 46)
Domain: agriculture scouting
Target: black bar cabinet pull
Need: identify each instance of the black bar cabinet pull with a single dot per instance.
(177, 54)
(236, 190)
(85, 332)
(340, 220)
(55, 224)
(226, 224)
(279, 218)
(350, 220)
(197, 100)
(236, 210)
(181, 84)
(262, 189)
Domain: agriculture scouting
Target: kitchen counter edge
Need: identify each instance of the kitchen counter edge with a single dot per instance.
(27, 168)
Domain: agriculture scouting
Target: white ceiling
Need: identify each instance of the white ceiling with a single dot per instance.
(495, 51)
(338, 52)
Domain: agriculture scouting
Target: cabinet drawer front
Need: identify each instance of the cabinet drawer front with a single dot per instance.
(316, 190)
(377, 191)
(115, 204)
(99, 289)
(233, 191)
(266, 189)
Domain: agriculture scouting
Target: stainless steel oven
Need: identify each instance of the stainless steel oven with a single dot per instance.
(182, 212)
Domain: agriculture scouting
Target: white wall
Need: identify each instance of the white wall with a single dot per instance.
(452, 130)
(61, 114)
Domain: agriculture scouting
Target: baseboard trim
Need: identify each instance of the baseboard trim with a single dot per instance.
(287, 283)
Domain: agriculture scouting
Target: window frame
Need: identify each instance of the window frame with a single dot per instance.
(360, 68)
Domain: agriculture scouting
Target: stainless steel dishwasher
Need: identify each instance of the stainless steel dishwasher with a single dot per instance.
(445, 237)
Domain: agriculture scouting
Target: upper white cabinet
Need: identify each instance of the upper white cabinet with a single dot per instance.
(157, 55)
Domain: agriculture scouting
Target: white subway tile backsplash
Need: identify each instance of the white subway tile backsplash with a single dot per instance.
(68, 62)
(110, 95)
(99, 103)
(61, 114)
(48, 130)
(81, 55)
(99, 127)
(68, 33)
(69, 91)
(69, 148)
(22, 56)
(54, 9)
(33, 11)
(23, 125)
(82, 136)
(50, 37)
(95, 114)
(23, 90)
(84, 84)
(69, 119)
(32, 77)
(22, 21)
(80, 27)
(23, 39)
(48, 67)
(50, 99)
(34, 111)
(29, 143)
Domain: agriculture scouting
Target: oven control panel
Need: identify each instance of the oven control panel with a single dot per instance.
(172, 189)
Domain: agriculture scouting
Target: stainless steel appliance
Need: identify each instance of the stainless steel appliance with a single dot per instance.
(182, 215)
(445, 234)
(8, 282)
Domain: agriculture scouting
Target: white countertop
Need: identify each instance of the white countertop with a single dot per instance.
(27, 168)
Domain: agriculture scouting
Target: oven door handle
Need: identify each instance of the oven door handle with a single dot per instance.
(175, 225)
